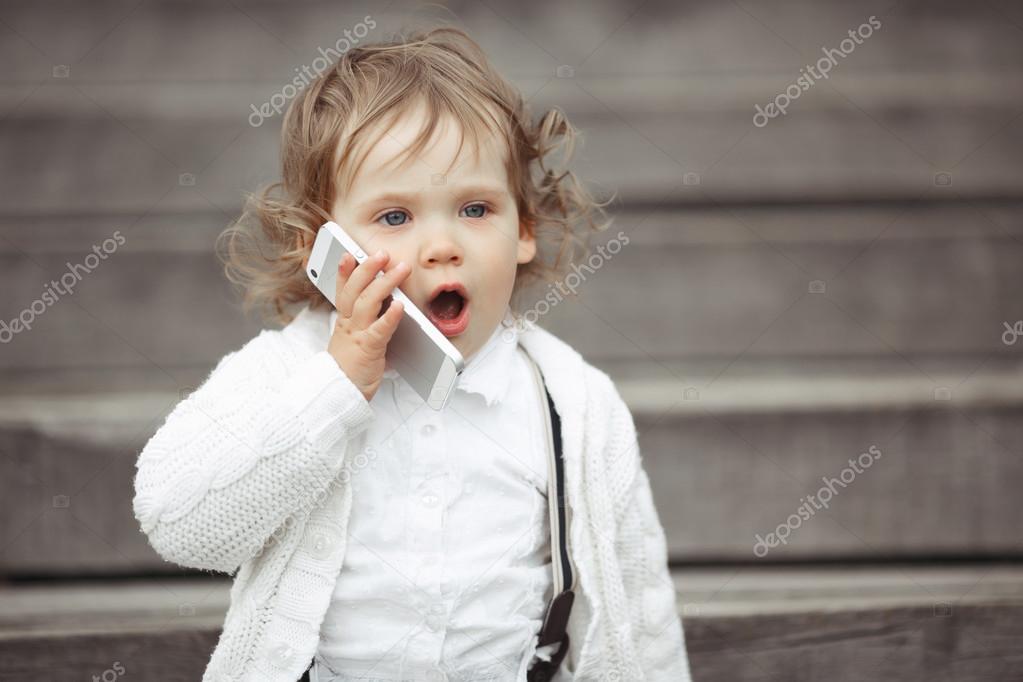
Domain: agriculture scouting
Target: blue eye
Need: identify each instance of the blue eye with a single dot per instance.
(394, 218)
(475, 210)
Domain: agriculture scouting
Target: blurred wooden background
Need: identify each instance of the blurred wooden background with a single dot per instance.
(791, 295)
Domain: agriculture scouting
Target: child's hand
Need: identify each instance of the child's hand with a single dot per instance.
(359, 338)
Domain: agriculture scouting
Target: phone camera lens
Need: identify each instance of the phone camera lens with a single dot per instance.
(313, 273)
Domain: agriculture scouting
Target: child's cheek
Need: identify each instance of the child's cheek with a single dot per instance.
(494, 265)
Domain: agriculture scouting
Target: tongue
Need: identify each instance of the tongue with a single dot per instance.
(447, 305)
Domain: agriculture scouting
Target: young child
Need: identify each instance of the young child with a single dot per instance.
(368, 534)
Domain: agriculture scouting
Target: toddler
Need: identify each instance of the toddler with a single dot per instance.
(369, 536)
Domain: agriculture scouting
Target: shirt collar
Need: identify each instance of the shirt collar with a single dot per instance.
(488, 371)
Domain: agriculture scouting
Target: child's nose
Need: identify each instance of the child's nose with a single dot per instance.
(442, 248)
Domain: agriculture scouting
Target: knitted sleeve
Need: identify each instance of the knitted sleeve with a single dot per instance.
(641, 547)
(244, 452)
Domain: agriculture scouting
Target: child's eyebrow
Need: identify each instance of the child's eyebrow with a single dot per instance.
(409, 197)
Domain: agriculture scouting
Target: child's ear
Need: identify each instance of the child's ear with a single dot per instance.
(527, 243)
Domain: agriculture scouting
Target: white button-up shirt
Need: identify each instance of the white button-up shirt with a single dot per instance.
(447, 570)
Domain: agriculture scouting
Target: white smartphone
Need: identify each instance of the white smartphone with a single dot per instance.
(420, 353)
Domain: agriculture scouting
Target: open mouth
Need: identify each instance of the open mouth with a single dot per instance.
(448, 310)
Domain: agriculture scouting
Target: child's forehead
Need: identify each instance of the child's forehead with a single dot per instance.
(399, 152)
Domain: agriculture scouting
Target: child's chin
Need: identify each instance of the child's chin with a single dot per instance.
(465, 343)
(461, 343)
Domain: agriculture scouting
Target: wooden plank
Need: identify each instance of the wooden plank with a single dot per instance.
(66, 508)
(269, 38)
(972, 644)
(123, 127)
(737, 487)
(78, 606)
(844, 624)
(726, 469)
(914, 281)
(165, 655)
(835, 153)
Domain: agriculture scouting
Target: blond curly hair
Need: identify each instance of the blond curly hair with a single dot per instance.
(324, 140)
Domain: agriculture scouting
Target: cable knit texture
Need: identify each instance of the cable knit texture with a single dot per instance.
(246, 476)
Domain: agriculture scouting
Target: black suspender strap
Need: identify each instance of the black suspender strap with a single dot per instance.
(555, 623)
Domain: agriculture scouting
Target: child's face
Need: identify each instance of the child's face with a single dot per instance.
(461, 228)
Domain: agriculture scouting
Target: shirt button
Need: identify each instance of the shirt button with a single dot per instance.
(283, 653)
(427, 429)
(430, 500)
(320, 542)
(436, 617)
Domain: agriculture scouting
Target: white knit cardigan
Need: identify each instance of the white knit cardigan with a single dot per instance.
(248, 474)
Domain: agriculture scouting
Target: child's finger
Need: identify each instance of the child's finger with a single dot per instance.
(368, 304)
(347, 264)
(361, 276)
(345, 267)
(382, 330)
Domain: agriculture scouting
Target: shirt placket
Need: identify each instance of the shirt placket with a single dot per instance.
(426, 503)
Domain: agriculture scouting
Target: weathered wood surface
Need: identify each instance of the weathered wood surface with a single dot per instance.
(730, 227)
(660, 90)
(909, 624)
(919, 281)
(726, 467)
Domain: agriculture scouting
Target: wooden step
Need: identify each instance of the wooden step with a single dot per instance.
(734, 459)
(920, 281)
(852, 624)
(834, 149)
(731, 456)
(799, 623)
(124, 125)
